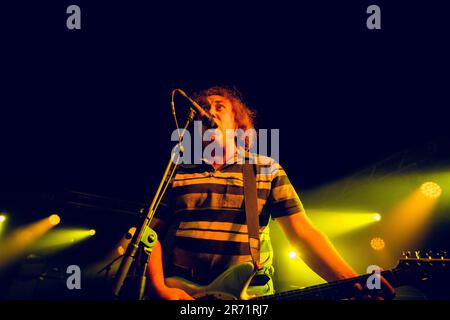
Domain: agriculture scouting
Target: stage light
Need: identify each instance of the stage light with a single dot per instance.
(120, 250)
(409, 220)
(2, 219)
(21, 240)
(377, 244)
(431, 189)
(54, 219)
(377, 217)
(292, 254)
(62, 238)
(337, 223)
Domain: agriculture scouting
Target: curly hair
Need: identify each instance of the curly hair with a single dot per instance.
(243, 115)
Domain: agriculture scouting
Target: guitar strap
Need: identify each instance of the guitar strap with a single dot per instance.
(251, 211)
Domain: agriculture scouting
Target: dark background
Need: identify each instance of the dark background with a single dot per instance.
(88, 110)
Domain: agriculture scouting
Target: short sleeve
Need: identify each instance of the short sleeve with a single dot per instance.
(283, 200)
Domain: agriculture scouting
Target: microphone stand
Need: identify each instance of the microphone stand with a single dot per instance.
(143, 241)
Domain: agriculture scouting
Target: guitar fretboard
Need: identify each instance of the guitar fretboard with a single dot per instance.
(335, 290)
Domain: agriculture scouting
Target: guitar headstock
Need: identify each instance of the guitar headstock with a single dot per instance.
(413, 268)
(430, 254)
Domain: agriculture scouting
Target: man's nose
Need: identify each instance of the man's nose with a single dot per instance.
(213, 112)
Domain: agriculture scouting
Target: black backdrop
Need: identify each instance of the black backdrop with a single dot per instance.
(89, 110)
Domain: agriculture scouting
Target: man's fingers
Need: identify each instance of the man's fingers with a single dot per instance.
(185, 296)
(388, 290)
(359, 291)
(358, 287)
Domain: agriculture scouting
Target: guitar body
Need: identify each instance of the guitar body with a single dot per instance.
(232, 284)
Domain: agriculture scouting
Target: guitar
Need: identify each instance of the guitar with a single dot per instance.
(232, 284)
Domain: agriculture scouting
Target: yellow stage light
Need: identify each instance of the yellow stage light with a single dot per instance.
(2, 219)
(54, 219)
(337, 223)
(377, 217)
(62, 238)
(377, 243)
(431, 190)
(21, 241)
(292, 254)
(120, 250)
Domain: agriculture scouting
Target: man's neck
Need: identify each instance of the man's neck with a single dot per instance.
(217, 162)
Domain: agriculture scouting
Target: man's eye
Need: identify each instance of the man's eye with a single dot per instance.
(219, 107)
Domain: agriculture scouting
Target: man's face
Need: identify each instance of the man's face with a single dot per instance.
(222, 110)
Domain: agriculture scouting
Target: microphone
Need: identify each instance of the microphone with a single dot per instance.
(202, 112)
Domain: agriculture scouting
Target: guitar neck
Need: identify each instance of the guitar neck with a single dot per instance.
(335, 290)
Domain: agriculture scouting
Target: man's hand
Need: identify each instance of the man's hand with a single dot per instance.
(386, 291)
(174, 294)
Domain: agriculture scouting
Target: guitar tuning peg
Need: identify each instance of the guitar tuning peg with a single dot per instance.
(442, 254)
(406, 254)
(429, 254)
(417, 253)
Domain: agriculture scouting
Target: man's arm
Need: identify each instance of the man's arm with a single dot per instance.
(156, 281)
(318, 253)
(316, 250)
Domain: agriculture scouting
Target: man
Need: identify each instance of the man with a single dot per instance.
(206, 204)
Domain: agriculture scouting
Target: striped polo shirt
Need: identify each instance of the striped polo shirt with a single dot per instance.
(208, 210)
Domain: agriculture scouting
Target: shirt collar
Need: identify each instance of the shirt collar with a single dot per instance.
(237, 157)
